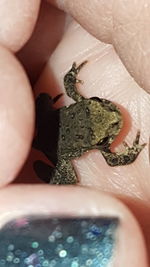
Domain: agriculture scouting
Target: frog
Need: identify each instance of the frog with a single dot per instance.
(66, 133)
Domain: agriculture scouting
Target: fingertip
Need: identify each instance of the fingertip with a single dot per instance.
(16, 116)
(112, 238)
(17, 20)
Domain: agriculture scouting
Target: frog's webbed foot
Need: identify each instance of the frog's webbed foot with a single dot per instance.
(70, 81)
(43, 170)
(64, 173)
(127, 157)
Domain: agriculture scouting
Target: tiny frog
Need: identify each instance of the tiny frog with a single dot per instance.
(67, 133)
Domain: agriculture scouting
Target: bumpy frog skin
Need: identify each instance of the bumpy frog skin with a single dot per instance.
(67, 133)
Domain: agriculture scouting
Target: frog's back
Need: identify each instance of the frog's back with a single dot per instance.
(75, 127)
(82, 124)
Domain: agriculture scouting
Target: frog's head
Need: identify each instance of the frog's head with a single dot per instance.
(112, 127)
(106, 121)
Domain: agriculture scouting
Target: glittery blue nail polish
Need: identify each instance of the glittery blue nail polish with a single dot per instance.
(58, 242)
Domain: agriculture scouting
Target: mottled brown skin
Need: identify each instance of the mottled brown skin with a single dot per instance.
(68, 132)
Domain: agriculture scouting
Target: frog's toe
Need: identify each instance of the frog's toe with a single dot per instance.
(75, 69)
(74, 65)
(70, 81)
(81, 65)
(136, 148)
(127, 157)
(137, 139)
(131, 153)
(79, 81)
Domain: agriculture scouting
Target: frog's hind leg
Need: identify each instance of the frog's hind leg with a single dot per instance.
(125, 158)
(64, 173)
(70, 81)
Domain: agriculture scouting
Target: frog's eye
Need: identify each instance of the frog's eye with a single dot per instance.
(97, 99)
(101, 100)
(115, 124)
(104, 142)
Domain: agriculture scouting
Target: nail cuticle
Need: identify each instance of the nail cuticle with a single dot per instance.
(54, 242)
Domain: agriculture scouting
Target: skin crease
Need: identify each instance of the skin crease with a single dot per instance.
(123, 23)
(109, 78)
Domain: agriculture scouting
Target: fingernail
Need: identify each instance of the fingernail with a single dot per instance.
(57, 242)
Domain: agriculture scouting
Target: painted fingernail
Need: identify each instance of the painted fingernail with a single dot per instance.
(58, 242)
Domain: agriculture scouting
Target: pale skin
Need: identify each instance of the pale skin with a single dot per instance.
(104, 76)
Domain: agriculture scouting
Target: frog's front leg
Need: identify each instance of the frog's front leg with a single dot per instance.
(125, 158)
(64, 173)
(70, 81)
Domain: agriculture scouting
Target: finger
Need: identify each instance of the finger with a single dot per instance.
(115, 240)
(47, 33)
(17, 20)
(125, 24)
(16, 116)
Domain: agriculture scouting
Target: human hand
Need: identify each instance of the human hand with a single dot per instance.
(104, 76)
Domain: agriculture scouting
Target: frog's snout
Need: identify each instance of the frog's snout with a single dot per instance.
(115, 127)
